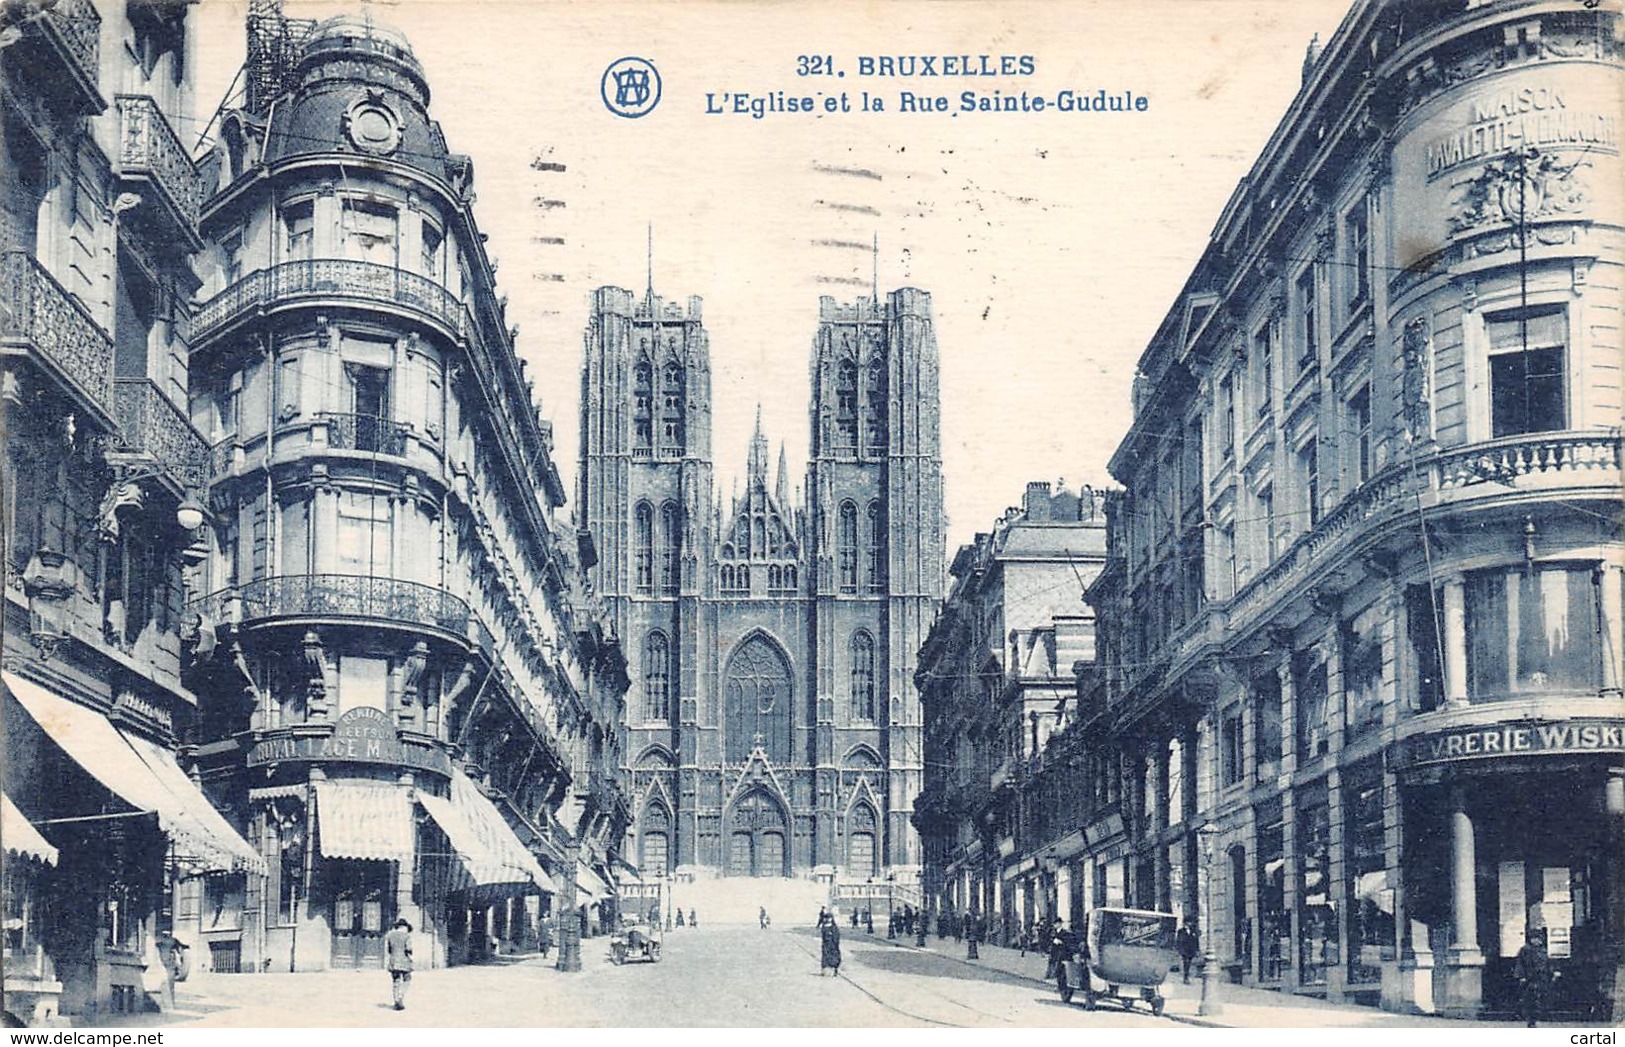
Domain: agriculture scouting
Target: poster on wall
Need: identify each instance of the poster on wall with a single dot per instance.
(1512, 908)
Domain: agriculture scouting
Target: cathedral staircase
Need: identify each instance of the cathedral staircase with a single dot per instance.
(790, 901)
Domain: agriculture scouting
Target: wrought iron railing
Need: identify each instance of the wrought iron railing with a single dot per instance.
(150, 424)
(331, 277)
(149, 148)
(76, 25)
(338, 596)
(34, 307)
(365, 432)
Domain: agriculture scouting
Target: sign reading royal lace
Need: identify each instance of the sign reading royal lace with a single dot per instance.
(360, 736)
(1532, 115)
(1530, 738)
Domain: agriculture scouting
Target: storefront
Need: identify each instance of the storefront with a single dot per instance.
(1514, 827)
(32, 991)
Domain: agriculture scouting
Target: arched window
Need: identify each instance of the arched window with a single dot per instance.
(727, 576)
(863, 677)
(643, 406)
(775, 577)
(656, 678)
(758, 702)
(643, 548)
(875, 408)
(742, 578)
(671, 547)
(874, 573)
(846, 552)
(846, 408)
(672, 436)
(790, 576)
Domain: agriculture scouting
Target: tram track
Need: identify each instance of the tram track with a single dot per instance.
(986, 1017)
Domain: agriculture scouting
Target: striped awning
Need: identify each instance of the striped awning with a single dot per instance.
(143, 775)
(590, 887)
(368, 820)
(488, 849)
(20, 836)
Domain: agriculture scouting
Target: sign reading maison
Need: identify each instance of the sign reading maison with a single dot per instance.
(360, 736)
(1596, 735)
(1533, 115)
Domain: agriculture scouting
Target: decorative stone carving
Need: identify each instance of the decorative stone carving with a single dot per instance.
(1417, 381)
(1514, 190)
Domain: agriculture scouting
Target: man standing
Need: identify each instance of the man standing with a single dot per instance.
(973, 934)
(398, 960)
(1533, 969)
(1185, 941)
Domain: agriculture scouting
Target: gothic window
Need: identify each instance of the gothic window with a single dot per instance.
(758, 696)
(846, 408)
(860, 848)
(642, 407)
(672, 435)
(656, 678)
(863, 677)
(727, 577)
(875, 418)
(643, 548)
(671, 548)
(874, 572)
(775, 577)
(790, 576)
(846, 539)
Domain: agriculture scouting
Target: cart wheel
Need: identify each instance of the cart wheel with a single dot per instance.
(617, 953)
(1088, 999)
(1065, 987)
(654, 952)
(1156, 1005)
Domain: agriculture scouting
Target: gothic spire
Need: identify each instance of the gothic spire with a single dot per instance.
(757, 469)
(781, 488)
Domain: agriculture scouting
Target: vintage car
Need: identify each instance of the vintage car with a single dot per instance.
(1129, 954)
(635, 942)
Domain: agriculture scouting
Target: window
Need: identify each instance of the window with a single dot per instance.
(671, 548)
(369, 232)
(757, 702)
(1362, 676)
(643, 543)
(1308, 330)
(846, 408)
(299, 225)
(847, 547)
(673, 398)
(1357, 240)
(874, 572)
(231, 255)
(1309, 690)
(1266, 688)
(432, 240)
(863, 677)
(1370, 898)
(1227, 418)
(1264, 365)
(1527, 361)
(1359, 426)
(1231, 755)
(656, 678)
(875, 408)
(1423, 628)
(1533, 630)
(1309, 472)
(369, 404)
(1266, 521)
(1317, 909)
(1274, 924)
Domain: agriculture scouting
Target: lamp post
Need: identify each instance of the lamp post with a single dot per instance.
(1210, 1003)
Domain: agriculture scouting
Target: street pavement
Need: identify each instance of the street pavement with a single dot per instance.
(709, 976)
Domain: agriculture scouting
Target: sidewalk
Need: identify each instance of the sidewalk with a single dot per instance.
(1243, 1007)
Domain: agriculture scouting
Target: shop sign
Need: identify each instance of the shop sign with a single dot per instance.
(1103, 829)
(1539, 738)
(362, 735)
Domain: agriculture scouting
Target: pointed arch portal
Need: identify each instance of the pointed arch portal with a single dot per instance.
(758, 834)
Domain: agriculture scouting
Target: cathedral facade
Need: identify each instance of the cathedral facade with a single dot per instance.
(772, 728)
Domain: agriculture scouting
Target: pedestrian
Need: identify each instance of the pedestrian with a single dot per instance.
(761, 917)
(1185, 942)
(398, 960)
(868, 920)
(854, 917)
(829, 940)
(1061, 947)
(680, 921)
(973, 934)
(693, 921)
(544, 936)
(957, 924)
(1533, 969)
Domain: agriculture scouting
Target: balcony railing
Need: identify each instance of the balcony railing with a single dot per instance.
(331, 278)
(152, 426)
(365, 432)
(338, 596)
(151, 153)
(72, 31)
(36, 310)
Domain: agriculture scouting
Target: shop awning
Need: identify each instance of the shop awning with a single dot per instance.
(21, 838)
(486, 845)
(590, 887)
(140, 773)
(368, 820)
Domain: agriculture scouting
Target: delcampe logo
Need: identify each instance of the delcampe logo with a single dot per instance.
(630, 87)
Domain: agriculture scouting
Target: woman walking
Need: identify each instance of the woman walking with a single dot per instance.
(829, 936)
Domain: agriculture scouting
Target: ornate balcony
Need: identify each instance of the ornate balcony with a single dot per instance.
(152, 428)
(340, 596)
(61, 43)
(293, 283)
(365, 432)
(38, 315)
(152, 162)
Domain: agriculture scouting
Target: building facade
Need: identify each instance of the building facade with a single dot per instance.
(995, 676)
(105, 830)
(1361, 620)
(772, 728)
(408, 702)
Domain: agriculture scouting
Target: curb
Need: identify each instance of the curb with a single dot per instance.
(1182, 1019)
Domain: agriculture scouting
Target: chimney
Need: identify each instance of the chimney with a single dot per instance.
(1037, 502)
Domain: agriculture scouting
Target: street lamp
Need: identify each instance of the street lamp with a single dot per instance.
(1210, 1003)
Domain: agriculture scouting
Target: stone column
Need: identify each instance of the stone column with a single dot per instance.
(1455, 640)
(1464, 964)
(1613, 629)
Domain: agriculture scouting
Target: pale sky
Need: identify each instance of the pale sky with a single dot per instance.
(1052, 243)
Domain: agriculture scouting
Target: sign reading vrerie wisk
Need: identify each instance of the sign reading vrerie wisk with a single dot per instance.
(1529, 738)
